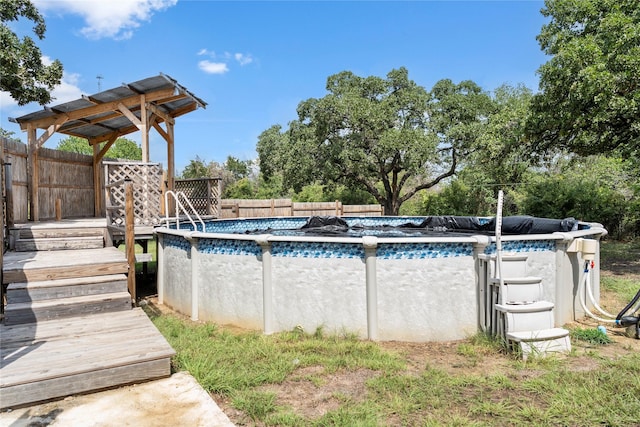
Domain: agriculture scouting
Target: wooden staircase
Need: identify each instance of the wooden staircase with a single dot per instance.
(68, 325)
(523, 318)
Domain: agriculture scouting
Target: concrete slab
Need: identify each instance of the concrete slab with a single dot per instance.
(177, 400)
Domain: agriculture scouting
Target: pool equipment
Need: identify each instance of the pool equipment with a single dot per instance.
(627, 317)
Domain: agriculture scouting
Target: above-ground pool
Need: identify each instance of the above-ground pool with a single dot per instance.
(383, 278)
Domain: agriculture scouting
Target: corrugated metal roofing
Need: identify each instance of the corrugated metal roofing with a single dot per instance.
(84, 117)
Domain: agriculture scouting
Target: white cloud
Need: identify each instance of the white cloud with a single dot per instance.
(108, 19)
(223, 59)
(213, 67)
(243, 59)
(67, 90)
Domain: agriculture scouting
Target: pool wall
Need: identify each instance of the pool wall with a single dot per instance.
(411, 289)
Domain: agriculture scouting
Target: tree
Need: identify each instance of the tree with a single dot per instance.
(590, 88)
(389, 137)
(195, 169)
(22, 72)
(10, 135)
(122, 148)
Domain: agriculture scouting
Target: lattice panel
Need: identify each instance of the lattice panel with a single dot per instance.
(147, 192)
(202, 193)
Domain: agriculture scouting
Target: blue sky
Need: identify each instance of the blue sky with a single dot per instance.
(254, 62)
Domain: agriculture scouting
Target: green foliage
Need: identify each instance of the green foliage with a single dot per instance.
(10, 135)
(122, 148)
(257, 405)
(23, 74)
(241, 189)
(591, 189)
(237, 182)
(388, 137)
(592, 336)
(196, 169)
(590, 92)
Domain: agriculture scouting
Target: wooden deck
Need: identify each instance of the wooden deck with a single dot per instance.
(68, 326)
(63, 264)
(46, 360)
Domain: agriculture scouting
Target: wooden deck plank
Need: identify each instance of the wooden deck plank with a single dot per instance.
(101, 323)
(134, 341)
(42, 310)
(59, 243)
(82, 355)
(24, 394)
(51, 265)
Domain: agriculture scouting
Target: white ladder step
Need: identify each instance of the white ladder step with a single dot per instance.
(540, 335)
(525, 280)
(525, 308)
(527, 317)
(518, 290)
(541, 342)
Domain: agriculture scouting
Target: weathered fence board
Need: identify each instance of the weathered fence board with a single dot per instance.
(244, 208)
(62, 175)
(15, 153)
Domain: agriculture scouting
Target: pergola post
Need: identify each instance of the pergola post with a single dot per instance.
(144, 128)
(33, 172)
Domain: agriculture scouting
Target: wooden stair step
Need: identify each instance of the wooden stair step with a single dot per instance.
(53, 265)
(65, 288)
(37, 311)
(59, 243)
(80, 354)
(53, 232)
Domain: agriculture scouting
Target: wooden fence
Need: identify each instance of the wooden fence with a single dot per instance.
(241, 208)
(64, 180)
(203, 193)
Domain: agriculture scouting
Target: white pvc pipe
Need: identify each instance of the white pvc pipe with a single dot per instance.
(370, 244)
(160, 268)
(592, 298)
(267, 286)
(582, 292)
(194, 276)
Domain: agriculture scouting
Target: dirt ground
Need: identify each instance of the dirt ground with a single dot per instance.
(314, 399)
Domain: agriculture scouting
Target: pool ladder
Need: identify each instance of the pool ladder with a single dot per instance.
(189, 214)
(519, 313)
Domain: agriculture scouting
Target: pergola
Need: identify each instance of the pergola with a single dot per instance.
(104, 117)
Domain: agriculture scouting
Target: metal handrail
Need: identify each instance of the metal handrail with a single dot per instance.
(176, 196)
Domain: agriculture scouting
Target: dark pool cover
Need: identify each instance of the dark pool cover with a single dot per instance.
(431, 226)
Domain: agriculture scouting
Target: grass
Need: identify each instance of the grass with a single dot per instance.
(245, 370)
(591, 336)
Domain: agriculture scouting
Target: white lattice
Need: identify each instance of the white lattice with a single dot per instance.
(147, 192)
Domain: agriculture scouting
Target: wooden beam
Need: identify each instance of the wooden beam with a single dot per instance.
(160, 96)
(144, 127)
(130, 239)
(106, 147)
(50, 131)
(158, 112)
(97, 193)
(98, 154)
(170, 166)
(129, 115)
(161, 131)
(170, 156)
